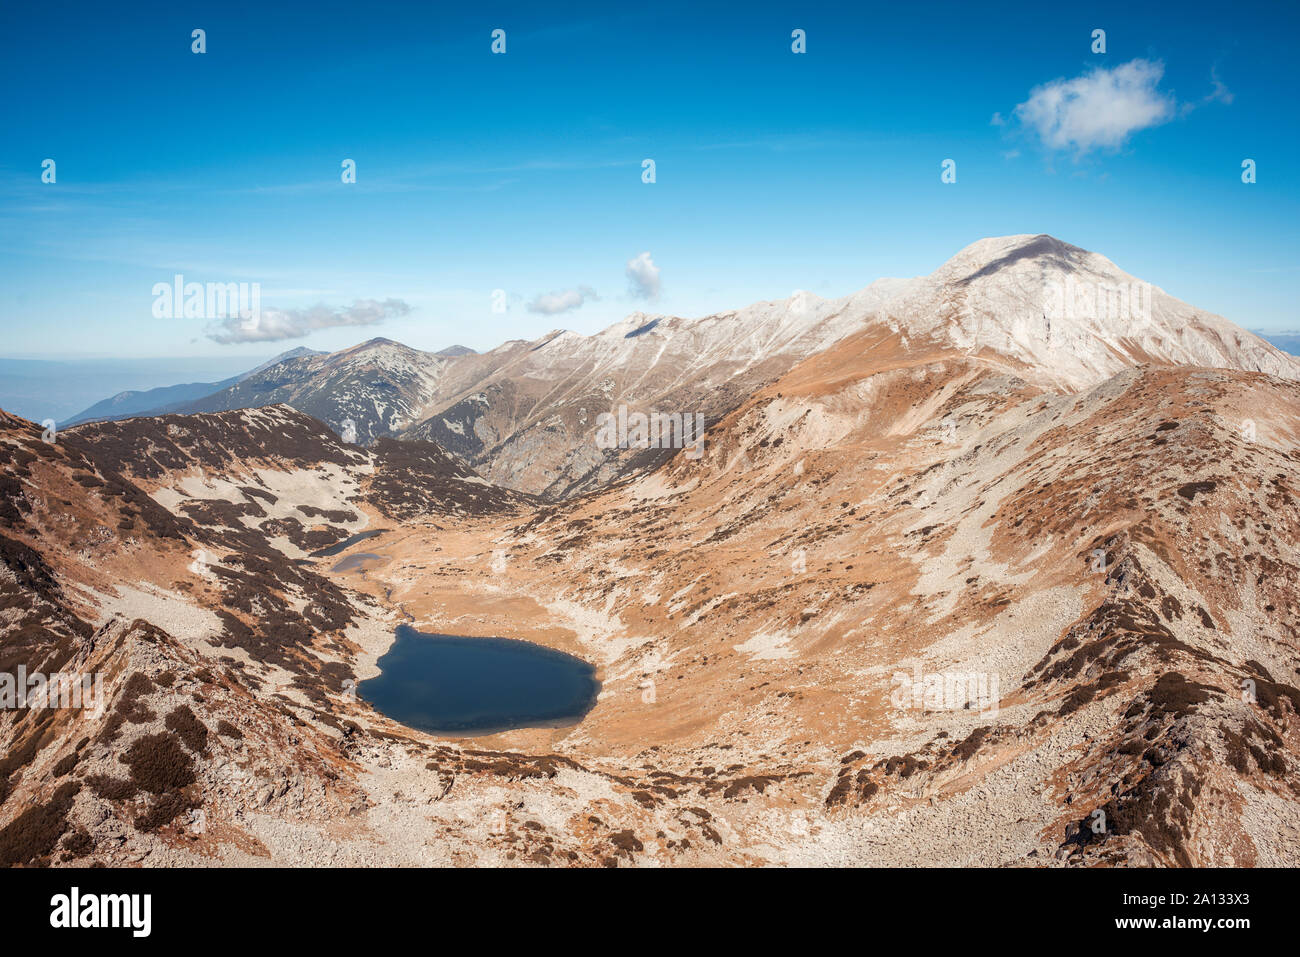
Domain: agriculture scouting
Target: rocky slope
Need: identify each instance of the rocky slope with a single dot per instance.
(1115, 566)
(374, 389)
(911, 608)
(171, 558)
(921, 599)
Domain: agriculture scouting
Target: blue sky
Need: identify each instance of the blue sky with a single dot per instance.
(523, 172)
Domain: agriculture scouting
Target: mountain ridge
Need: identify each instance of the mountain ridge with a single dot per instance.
(161, 400)
(523, 413)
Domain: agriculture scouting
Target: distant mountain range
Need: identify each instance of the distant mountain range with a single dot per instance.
(524, 413)
(45, 388)
(168, 399)
(164, 399)
(1286, 341)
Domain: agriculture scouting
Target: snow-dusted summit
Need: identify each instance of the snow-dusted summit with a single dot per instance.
(1069, 316)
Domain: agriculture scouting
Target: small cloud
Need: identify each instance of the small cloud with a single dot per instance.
(272, 325)
(1220, 93)
(551, 303)
(1099, 109)
(643, 277)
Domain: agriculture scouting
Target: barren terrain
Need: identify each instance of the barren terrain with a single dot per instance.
(920, 601)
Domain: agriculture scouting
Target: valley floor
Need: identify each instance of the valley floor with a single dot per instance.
(931, 616)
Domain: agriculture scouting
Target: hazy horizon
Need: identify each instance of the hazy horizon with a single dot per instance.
(775, 171)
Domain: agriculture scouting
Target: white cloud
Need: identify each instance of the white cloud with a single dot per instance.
(551, 303)
(643, 277)
(1099, 109)
(273, 325)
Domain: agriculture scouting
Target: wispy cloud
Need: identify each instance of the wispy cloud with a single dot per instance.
(551, 303)
(274, 325)
(1219, 93)
(643, 277)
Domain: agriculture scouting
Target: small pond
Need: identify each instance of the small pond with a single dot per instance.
(355, 560)
(347, 543)
(445, 684)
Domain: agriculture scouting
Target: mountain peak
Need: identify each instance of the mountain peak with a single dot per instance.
(1068, 316)
(296, 353)
(995, 253)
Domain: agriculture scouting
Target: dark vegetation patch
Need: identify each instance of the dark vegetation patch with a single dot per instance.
(159, 764)
(1158, 807)
(1270, 694)
(151, 447)
(308, 540)
(188, 728)
(280, 635)
(129, 706)
(13, 502)
(250, 492)
(164, 809)
(1162, 753)
(216, 511)
(753, 782)
(1190, 490)
(515, 767)
(78, 843)
(1086, 693)
(30, 569)
(1173, 694)
(626, 843)
(904, 766)
(111, 788)
(1242, 750)
(852, 785)
(965, 750)
(1117, 630)
(419, 478)
(65, 765)
(31, 836)
(339, 516)
(130, 500)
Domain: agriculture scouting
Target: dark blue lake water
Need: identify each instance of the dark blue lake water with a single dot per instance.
(347, 543)
(450, 685)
